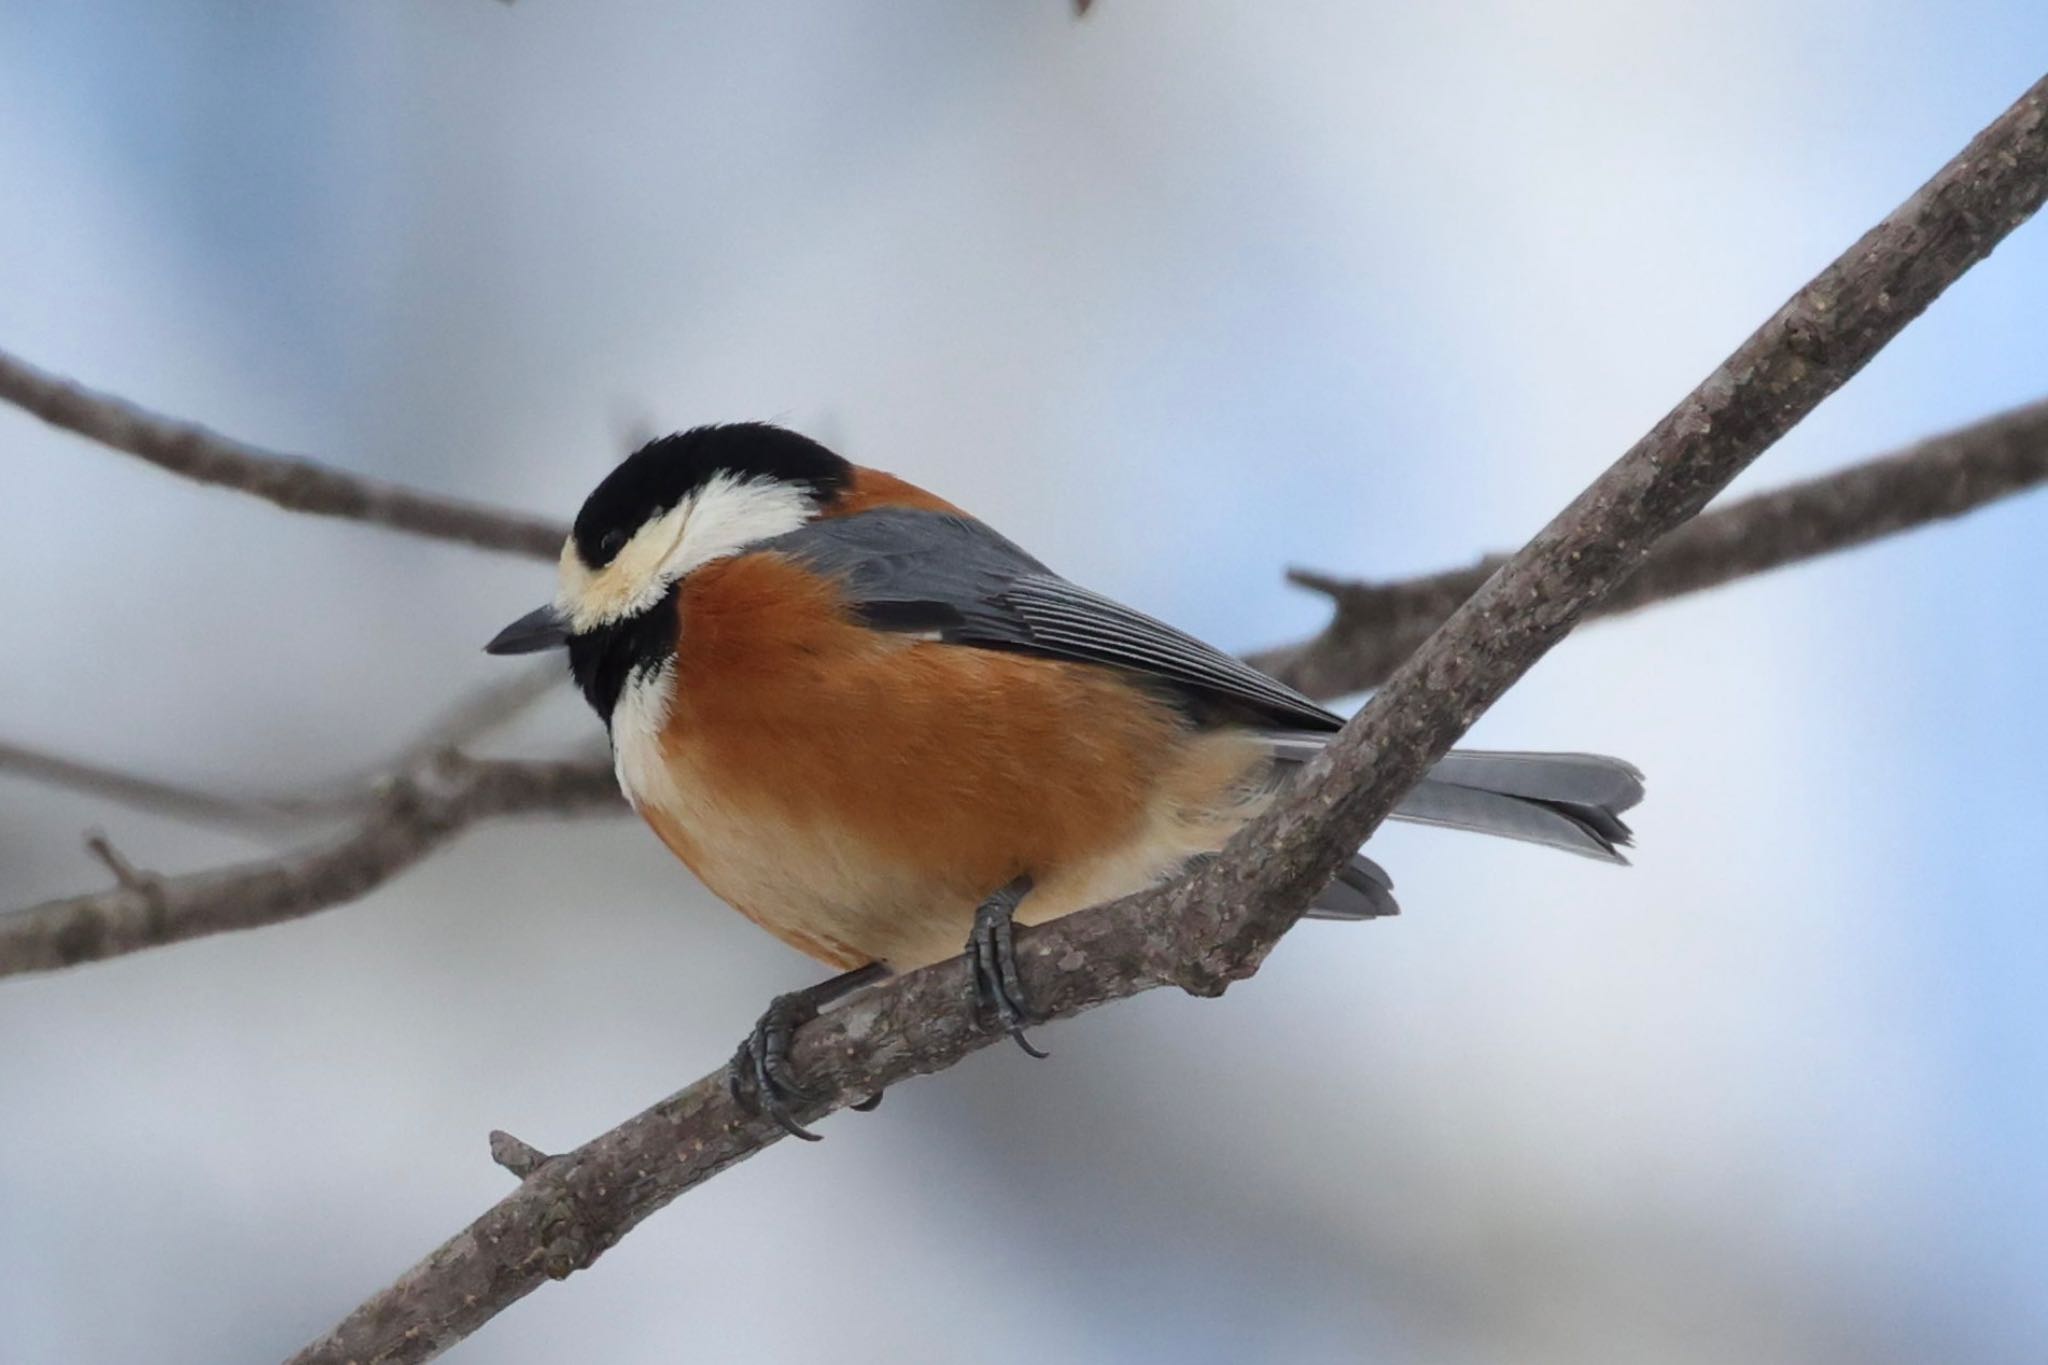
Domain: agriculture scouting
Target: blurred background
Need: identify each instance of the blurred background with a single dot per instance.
(1177, 296)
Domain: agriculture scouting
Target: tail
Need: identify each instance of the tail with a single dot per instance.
(1568, 801)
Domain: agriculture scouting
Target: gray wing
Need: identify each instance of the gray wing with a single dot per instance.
(954, 579)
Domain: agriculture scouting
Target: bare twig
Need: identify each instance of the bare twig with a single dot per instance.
(489, 708)
(291, 482)
(1217, 925)
(416, 812)
(126, 874)
(165, 798)
(406, 810)
(468, 720)
(1378, 625)
(520, 1158)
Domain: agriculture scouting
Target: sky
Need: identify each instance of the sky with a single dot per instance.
(1177, 296)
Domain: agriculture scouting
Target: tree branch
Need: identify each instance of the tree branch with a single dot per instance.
(469, 719)
(1379, 624)
(405, 810)
(299, 485)
(465, 721)
(1217, 925)
(416, 811)
(148, 793)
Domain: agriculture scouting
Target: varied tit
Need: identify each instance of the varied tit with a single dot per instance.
(880, 730)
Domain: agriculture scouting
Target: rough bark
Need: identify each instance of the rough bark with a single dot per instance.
(1379, 624)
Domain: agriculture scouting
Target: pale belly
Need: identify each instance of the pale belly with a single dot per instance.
(822, 891)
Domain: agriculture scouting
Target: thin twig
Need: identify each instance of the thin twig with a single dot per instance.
(488, 709)
(1378, 625)
(520, 1158)
(126, 874)
(165, 798)
(291, 482)
(416, 812)
(1217, 925)
(468, 720)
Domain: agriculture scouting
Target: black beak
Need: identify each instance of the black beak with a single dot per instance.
(531, 633)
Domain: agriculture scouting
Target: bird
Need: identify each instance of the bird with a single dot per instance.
(886, 733)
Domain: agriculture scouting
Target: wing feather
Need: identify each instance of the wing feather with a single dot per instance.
(933, 573)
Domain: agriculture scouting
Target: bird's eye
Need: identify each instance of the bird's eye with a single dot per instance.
(613, 542)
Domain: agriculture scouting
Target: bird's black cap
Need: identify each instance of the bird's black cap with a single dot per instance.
(663, 472)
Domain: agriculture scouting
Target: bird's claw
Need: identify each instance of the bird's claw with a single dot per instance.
(760, 1079)
(992, 955)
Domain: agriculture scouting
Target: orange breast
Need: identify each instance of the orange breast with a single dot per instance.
(858, 793)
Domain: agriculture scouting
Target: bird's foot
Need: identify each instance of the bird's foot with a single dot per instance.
(992, 955)
(761, 1079)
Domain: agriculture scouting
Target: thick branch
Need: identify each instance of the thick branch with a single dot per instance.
(1218, 924)
(297, 484)
(414, 813)
(1378, 625)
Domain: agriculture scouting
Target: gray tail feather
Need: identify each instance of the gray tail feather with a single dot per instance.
(1363, 890)
(1567, 801)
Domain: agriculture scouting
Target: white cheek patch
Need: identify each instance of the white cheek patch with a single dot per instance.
(726, 515)
(722, 518)
(637, 722)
